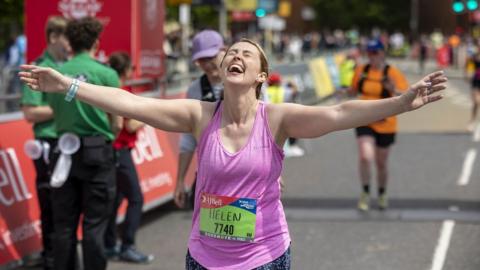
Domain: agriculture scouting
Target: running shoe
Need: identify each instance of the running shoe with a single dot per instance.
(382, 202)
(364, 202)
(132, 255)
(296, 151)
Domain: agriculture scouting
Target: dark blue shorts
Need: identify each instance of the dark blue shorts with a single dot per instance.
(281, 263)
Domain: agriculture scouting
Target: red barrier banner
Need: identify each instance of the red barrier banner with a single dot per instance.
(155, 156)
(19, 220)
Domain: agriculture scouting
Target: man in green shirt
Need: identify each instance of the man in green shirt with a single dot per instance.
(90, 186)
(36, 110)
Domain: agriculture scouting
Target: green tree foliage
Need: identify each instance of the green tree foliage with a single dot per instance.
(172, 13)
(205, 17)
(11, 20)
(202, 16)
(364, 14)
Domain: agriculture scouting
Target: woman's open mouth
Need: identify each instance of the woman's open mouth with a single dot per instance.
(236, 69)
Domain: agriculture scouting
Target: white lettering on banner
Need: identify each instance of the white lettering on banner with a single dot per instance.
(152, 137)
(25, 231)
(78, 9)
(11, 174)
(150, 61)
(147, 147)
(18, 170)
(156, 182)
(4, 182)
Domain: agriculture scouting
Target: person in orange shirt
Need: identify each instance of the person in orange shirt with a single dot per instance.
(376, 80)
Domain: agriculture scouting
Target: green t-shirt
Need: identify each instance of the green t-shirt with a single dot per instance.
(45, 129)
(78, 117)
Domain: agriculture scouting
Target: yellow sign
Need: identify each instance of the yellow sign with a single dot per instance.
(241, 5)
(321, 77)
(339, 58)
(178, 2)
(284, 9)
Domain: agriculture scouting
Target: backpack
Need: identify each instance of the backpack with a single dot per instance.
(208, 93)
(385, 92)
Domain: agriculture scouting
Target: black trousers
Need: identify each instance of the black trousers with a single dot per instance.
(44, 193)
(128, 187)
(88, 192)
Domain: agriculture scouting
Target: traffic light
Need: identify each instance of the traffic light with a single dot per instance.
(472, 4)
(458, 6)
(260, 12)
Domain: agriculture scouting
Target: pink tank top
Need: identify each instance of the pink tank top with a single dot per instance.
(251, 173)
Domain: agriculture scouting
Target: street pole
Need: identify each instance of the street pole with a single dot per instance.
(222, 27)
(414, 18)
(268, 41)
(184, 19)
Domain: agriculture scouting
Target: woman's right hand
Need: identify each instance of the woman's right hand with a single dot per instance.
(180, 195)
(44, 79)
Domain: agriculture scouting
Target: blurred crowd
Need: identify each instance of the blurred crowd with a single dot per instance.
(446, 50)
(10, 60)
(297, 47)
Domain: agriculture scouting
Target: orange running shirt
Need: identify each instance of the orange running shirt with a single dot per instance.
(372, 89)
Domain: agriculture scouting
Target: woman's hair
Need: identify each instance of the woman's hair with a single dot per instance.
(263, 62)
(120, 62)
(83, 33)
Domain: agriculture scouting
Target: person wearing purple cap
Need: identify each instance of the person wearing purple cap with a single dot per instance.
(207, 49)
(376, 80)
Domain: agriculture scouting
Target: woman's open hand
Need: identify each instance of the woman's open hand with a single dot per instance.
(44, 79)
(424, 91)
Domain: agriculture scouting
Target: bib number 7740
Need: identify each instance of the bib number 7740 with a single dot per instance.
(228, 218)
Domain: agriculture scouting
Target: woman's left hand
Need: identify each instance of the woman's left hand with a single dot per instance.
(44, 79)
(424, 91)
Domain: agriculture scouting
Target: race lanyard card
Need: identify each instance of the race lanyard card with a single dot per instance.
(228, 218)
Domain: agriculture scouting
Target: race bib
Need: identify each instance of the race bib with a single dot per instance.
(228, 218)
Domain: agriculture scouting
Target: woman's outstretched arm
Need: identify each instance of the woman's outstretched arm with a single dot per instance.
(169, 115)
(308, 122)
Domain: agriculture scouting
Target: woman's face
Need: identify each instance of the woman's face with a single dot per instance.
(241, 65)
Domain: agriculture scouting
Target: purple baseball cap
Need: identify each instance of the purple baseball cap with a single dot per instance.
(206, 43)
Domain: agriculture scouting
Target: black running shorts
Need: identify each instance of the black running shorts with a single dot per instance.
(381, 139)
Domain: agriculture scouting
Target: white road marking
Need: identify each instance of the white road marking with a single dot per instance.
(453, 208)
(442, 245)
(467, 167)
(476, 134)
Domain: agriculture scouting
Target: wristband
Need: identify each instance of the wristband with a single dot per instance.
(72, 90)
